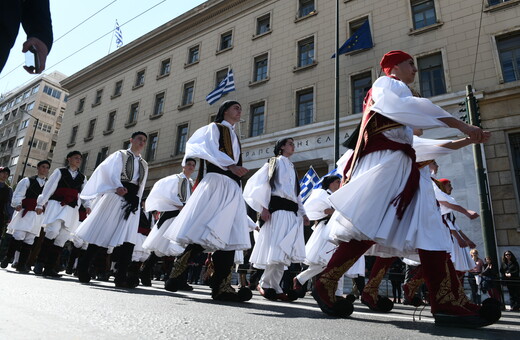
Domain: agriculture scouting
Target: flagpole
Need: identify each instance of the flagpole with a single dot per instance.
(112, 38)
(336, 86)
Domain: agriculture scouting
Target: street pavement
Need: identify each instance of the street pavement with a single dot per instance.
(33, 307)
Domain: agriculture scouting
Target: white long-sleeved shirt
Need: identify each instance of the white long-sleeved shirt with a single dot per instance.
(204, 144)
(52, 185)
(21, 190)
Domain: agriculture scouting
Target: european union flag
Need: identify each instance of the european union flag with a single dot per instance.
(358, 41)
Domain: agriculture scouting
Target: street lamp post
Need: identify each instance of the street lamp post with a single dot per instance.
(31, 142)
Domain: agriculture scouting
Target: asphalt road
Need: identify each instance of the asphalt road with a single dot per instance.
(33, 307)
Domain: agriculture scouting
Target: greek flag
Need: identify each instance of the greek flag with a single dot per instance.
(308, 181)
(119, 35)
(225, 86)
(332, 173)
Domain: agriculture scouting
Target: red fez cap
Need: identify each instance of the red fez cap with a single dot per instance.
(393, 58)
(444, 180)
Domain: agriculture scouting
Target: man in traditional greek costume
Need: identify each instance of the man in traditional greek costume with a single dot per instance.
(273, 191)
(214, 219)
(26, 224)
(60, 197)
(383, 202)
(119, 182)
(168, 196)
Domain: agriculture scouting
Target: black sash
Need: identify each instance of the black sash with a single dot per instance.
(166, 216)
(213, 168)
(278, 203)
(131, 203)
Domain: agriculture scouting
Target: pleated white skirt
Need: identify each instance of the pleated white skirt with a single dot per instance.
(214, 217)
(159, 244)
(55, 211)
(106, 227)
(30, 223)
(280, 241)
(364, 210)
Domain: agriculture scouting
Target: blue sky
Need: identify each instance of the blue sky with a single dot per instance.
(66, 14)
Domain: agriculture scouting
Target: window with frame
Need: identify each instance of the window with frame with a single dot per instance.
(24, 124)
(118, 88)
(30, 106)
(306, 52)
(35, 89)
(226, 40)
(220, 75)
(182, 138)
(52, 92)
(102, 155)
(99, 94)
(91, 128)
(47, 109)
(305, 7)
(14, 160)
(257, 119)
(158, 108)
(84, 161)
(81, 105)
(193, 55)
(304, 106)
(39, 144)
(187, 93)
(18, 99)
(153, 140)
(423, 13)
(74, 134)
(165, 67)
(431, 75)
(496, 2)
(111, 121)
(509, 55)
(134, 111)
(19, 142)
(26, 94)
(360, 84)
(263, 24)
(260, 67)
(139, 79)
(44, 127)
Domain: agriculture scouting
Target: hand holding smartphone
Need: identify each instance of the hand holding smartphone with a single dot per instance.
(32, 61)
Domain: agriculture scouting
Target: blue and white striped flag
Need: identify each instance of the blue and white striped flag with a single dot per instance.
(119, 35)
(334, 172)
(308, 181)
(225, 86)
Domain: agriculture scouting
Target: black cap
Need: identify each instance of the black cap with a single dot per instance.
(223, 107)
(43, 162)
(73, 153)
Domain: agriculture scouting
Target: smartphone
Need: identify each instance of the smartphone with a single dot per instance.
(31, 60)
